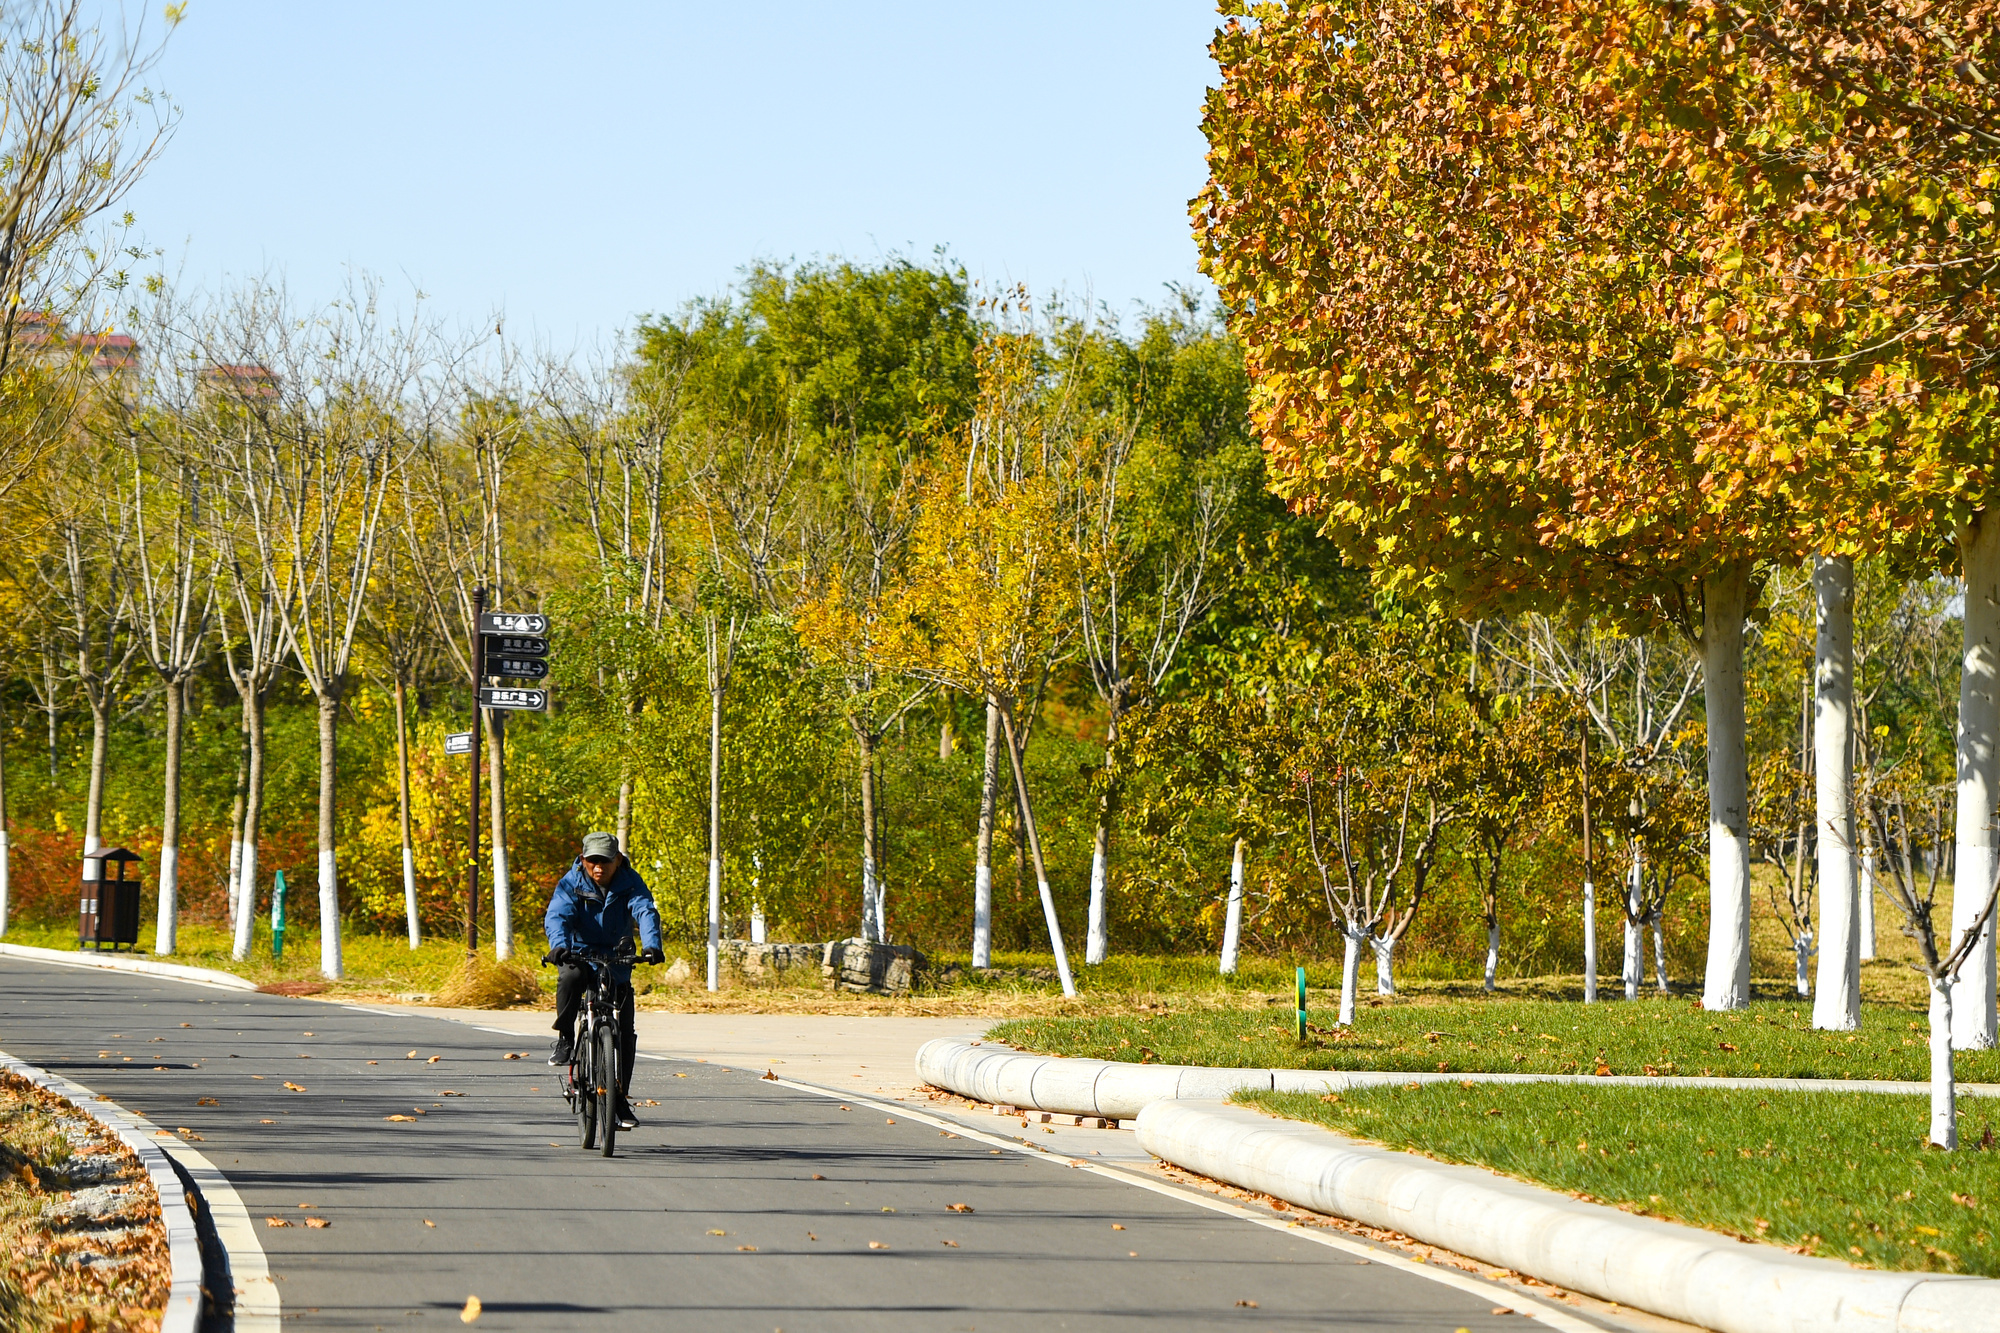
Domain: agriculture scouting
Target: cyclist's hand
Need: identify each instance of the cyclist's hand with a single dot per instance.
(653, 956)
(556, 956)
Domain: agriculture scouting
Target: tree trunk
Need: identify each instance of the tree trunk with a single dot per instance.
(1725, 604)
(1492, 952)
(756, 898)
(1660, 981)
(1635, 941)
(1097, 938)
(1867, 892)
(496, 787)
(329, 878)
(1972, 999)
(625, 814)
(1944, 1095)
(236, 806)
(1589, 942)
(403, 815)
(714, 833)
(1350, 966)
(165, 929)
(1232, 921)
(982, 876)
(1035, 849)
(1837, 1006)
(4, 901)
(871, 910)
(93, 810)
(1385, 964)
(253, 818)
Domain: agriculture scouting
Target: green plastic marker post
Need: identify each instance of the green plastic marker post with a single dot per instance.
(278, 917)
(1302, 1004)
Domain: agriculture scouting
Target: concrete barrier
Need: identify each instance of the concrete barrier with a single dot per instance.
(988, 1072)
(183, 1312)
(117, 962)
(1671, 1270)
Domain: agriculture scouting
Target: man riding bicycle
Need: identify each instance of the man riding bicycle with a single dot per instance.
(594, 907)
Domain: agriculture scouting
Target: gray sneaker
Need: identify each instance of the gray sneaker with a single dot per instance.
(564, 1052)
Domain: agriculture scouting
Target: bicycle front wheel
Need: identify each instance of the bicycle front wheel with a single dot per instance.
(605, 1082)
(582, 1076)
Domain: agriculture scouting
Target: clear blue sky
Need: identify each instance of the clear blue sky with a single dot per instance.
(581, 165)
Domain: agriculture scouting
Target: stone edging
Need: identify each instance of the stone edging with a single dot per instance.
(1118, 1090)
(127, 963)
(1676, 1271)
(183, 1312)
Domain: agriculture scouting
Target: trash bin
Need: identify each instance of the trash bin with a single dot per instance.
(110, 904)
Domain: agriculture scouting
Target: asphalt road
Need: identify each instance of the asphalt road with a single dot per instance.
(711, 1216)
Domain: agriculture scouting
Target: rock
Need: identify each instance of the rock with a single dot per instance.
(773, 964)
(878, 969)
(680, 974)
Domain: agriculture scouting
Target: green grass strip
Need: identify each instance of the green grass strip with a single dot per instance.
(1771, 1039)
(1841, 1175)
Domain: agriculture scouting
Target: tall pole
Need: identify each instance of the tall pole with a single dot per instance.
(1589, 889)
(472, 803)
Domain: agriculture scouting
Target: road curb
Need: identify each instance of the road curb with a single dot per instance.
(183, 1312)
(1119, 1090)
(126, 963)
(1675, 1271)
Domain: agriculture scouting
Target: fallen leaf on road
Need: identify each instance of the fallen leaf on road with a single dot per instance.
(877, 1245)
(372, 1062)
(156, 1039)
(294, 1087)
(206, 1101)
(449, 1093)
(277, 1222)
(892, 1122)
(846, 1108)
(511, 1055)
(1246, 1305)
(1503, 1309)
(187, 1025)
(434, 1059)
(680, 1075)
(952, 1243)
(430, 1224)
(746, 1249)
(810, 1236)
(305, 1034)
(818, 1176)
(771, 1076)
(966, 1208)
(267, 1122)
(471, 1310)
(386, 1117)
(648, 1101)
(1134, 1254)
(888, 1210)
(713, 1232)
(1117, 1226)
(411, 1056)
(318, 1222)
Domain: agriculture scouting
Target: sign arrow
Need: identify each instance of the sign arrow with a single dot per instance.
(517, 645)
(516, 668)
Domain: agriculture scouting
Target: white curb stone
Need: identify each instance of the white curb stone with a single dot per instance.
(1676, 1271)
(1118, 1089)
(183, 1312)
(127, 963)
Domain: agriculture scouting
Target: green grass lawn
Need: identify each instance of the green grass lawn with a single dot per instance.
(1657, 1036)
(1842, 1175)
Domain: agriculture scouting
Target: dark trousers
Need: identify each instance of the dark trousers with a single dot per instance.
(571, 982)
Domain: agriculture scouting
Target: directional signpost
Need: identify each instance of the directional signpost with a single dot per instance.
(508, 646)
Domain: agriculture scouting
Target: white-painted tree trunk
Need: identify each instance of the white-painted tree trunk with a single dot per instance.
(757, 895)
(1944, 1093)
(329, 917)
(1660, 958)
(871, 909)
(1385, 964)
(1232, 920)
(1589, 942)
(1867, 892)
(1725, 605)
(1350, 968)
(1635, 941)
(982, 877)
(165, 934)
(1493, 954)
(410, 897)
(1097, 935)
(329, 877)
(1972, 999)
(715, 924)
(1802, 956)
(1837, 1003)
(235, 884)
(246, 904)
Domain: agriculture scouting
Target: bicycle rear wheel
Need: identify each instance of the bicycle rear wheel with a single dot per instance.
(605, 1068)
(581, 1076)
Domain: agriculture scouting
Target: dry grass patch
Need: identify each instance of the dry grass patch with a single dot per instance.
(482, 983)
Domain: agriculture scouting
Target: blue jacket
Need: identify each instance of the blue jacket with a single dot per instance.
(583, 916)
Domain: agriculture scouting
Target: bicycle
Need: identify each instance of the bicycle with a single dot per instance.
(590, 1084)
